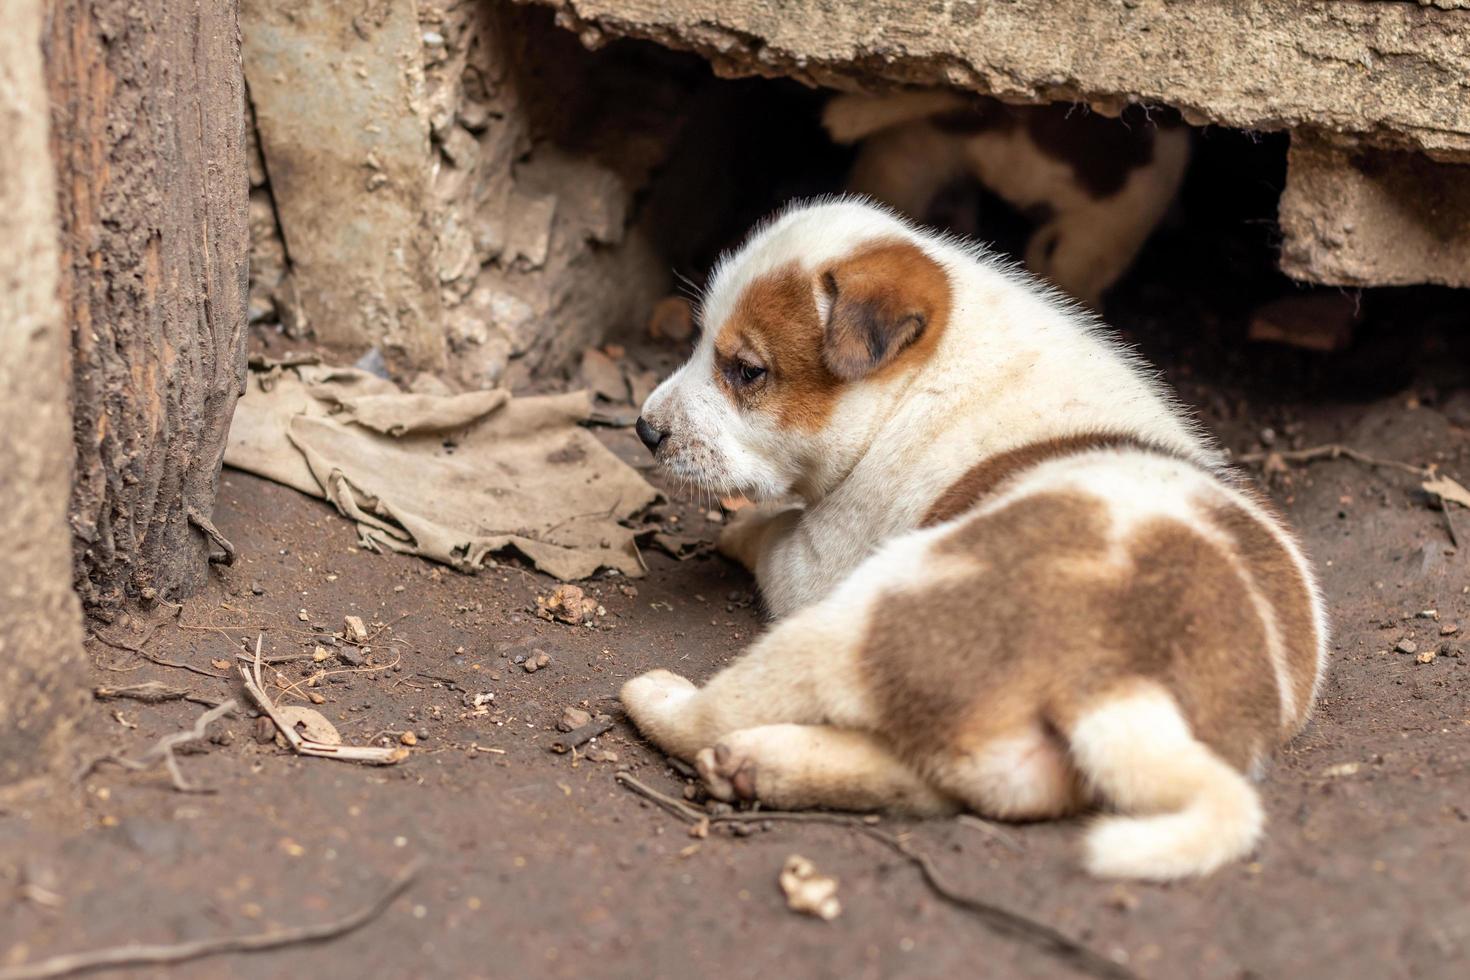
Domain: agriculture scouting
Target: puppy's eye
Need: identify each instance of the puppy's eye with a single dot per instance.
(749, 374)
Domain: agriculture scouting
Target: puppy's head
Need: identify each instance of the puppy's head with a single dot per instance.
(807, 330)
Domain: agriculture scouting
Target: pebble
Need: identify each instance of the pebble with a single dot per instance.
(1449, 629)
(573, 718)
(1407, 645)
(537, 660)
(355, 628)
(1427, 657)
(256, 590)
(264, 731)
(304, 616)
(408, 738)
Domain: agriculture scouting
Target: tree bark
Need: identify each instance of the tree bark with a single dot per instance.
(41, 661)
(149, 142)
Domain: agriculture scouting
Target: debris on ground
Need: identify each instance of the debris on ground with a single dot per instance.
(568, 604)
(807, 891)
(573, 718)
(317, 736)
(563, 744)
(450, 477)
(163, 750)
(1427, 657)
(1319, 321)
(354, 629)
(1407, 645)
(309, 723)
(536, 660)
(1447, 490)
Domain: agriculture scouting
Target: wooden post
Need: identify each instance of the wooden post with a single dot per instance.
(149, 142)
(41, 660)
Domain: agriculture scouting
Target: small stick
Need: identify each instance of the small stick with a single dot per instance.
(151, 692)
(305, 746)
(563, 744)
(990, 830)
(164, 749)
(278, 658)
(1332, 451)
(1003, 920)
(138, 649)
(137, 954)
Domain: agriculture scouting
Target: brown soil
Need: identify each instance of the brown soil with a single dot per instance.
(539, 864)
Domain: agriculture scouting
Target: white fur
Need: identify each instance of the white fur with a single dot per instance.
(1017, 363)
(1190, 812)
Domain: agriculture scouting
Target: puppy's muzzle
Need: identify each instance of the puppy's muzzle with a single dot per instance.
(652, 438)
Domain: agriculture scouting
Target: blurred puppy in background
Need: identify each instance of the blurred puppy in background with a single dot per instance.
(1091, 188)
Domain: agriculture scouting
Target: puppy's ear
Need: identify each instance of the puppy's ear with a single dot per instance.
(880, 301)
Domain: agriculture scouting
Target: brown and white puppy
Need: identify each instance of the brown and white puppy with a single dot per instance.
(1019, 581)
(1095, 187)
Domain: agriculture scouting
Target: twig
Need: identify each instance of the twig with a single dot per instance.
(124, 644)
(138, 649)
(990, 830)
(305, 746)
(563, 744)
(164, 749)
(1332, 451)
(136, 954)
(211, 532)
(1002, 920)
(276, 658)
(151, 692)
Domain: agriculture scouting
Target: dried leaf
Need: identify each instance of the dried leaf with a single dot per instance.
(1448, 490)
(312, 725)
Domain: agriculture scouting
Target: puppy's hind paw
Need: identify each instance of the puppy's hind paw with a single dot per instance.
(727, 774)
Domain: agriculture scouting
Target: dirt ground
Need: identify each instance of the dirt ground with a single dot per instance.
(540, 864)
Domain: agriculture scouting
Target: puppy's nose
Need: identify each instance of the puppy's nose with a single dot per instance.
(651, 437)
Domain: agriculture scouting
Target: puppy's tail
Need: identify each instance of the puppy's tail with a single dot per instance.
(1197, 811)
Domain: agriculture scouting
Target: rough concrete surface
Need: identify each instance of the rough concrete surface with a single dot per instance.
(412, 193)
(1359, 73)
(1395, 74)
(41, 662)
(1363, 217)
(338, 95)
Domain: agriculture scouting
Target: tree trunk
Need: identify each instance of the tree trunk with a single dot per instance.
(149, 142)
(41, 664)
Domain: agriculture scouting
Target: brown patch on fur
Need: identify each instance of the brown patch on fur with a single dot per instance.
(1051, 621)
(890, 307)
(1101, 151)
(888, 299)
(985, 476)
(1280, 580)
(775, 321)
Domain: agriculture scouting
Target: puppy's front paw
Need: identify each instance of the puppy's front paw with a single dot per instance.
(652, 699)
